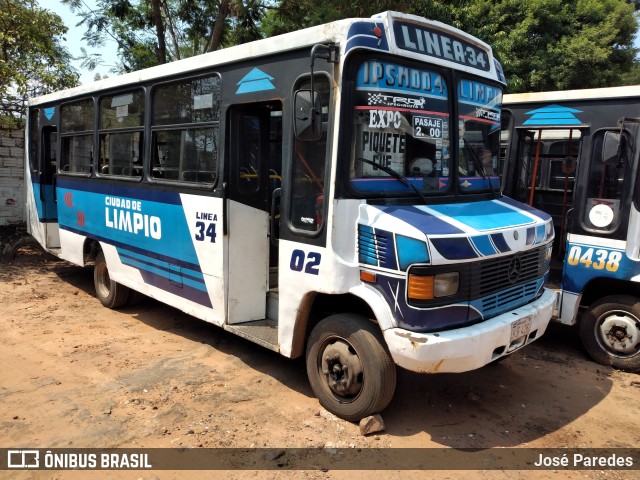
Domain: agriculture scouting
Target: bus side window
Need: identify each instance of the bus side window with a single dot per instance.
(249, 155)
(185, 128)
(309, 159)
(604, 189)
(121, 150)
(77, 124)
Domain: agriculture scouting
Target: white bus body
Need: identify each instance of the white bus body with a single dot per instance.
(359, 225)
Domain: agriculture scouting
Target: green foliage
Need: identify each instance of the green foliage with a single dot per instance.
(292, 15)
(556, 44)
(152, 32)
(32, 62)
(542, 44)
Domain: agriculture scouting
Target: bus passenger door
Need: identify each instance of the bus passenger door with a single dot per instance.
(254, 175)
(43, 174)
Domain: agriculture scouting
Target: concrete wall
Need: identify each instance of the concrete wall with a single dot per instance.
(11, 177)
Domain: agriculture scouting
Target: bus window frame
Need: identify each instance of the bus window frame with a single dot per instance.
(62, 135)
(621, 226)
(491, 189)
(328, 163)
(150, 130)
(348, 94)
(352, 64)
(99, 130)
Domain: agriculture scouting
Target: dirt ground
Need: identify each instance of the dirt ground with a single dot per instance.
(75, 374)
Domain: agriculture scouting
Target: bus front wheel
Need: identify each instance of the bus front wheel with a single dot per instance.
(111, 294)
(610, 332)
(349, 368)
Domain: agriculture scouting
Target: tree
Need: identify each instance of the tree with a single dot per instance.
(542, 44)
(153, 32)
(33, 60)
(556, 44)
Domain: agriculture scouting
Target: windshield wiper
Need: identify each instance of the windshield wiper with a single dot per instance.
(479, 166)
(396, 175)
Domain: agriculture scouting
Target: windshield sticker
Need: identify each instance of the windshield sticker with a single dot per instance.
(384, 119)
(390, 77)
(427, 127)
(481, 101)
(476, 93)
(380, 99)
(382, 148)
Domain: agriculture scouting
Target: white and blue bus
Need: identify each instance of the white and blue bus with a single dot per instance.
(331, 192)
(574, 154)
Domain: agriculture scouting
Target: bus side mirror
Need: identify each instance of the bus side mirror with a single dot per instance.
(308, 115)
(611, 148)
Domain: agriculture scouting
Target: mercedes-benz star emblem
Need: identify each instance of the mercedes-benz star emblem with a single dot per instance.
(515, 268)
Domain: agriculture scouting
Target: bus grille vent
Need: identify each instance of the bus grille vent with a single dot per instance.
(508, 299)
(372, 247)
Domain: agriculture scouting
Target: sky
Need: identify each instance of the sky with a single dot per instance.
(74, 41)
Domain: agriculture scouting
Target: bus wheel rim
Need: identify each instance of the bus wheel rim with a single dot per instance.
(341, 368)
(619, 333)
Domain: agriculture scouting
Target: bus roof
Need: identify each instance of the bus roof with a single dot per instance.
(334, 32)
(565, 95)
(281, 43)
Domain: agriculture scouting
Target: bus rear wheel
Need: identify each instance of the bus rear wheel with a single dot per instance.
(610, 332)
(350, 370)
(111, 294)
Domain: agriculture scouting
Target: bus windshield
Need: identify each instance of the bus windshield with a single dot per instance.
(401, 122)
(401, 125)
(479, 110)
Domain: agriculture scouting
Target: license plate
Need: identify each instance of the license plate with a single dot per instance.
(520, 327)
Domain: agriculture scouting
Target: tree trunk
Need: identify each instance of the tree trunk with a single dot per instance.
(157, 18)
(218, 26)
(172, 33)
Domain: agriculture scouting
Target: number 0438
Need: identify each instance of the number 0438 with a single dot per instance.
(597, 259)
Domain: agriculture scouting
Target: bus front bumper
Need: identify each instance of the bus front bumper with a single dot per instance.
(472, 347)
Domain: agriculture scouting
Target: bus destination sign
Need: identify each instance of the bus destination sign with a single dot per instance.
(439, 44)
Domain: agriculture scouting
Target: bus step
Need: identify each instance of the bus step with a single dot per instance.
(262, 332)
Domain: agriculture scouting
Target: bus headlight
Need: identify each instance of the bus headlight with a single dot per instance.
(427, 287)
(446, 284)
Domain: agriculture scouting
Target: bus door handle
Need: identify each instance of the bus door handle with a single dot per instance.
(274, 218)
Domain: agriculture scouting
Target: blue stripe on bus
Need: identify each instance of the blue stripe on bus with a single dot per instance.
(184, 291)
(410, 251)
(197, 275)
(531, 236)
(423, 221)
(500, 242)
(456, 248)
(522, 206)
(484, 245)
(132, 248)
(541, 233)
(199, 285)
(108, 188)
(486, 215)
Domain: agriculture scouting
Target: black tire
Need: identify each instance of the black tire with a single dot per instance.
(10, 246)
(350, 370)
(111, 294)
(610, 332)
